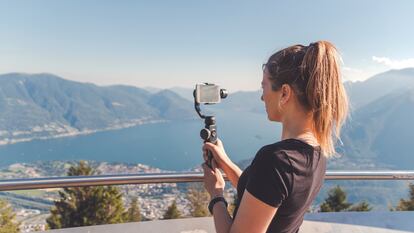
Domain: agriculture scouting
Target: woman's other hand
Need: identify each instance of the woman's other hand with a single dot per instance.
(218, 152)
(213, 180)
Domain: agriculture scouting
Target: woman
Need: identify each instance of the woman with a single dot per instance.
(302, 89)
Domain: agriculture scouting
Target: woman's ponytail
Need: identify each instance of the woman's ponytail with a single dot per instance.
(325, 93)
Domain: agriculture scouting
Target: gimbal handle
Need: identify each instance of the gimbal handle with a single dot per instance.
(209, 134)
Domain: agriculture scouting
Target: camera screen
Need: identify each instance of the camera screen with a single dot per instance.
(207, 93)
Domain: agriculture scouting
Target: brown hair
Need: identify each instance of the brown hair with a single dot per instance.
(314, 74)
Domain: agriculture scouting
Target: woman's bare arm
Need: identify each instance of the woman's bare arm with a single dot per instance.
(253, 216)
(222, 219)
(232, 172)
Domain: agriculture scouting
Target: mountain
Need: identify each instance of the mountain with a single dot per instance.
(243, 101)
(43, 105)
(362, 93)
(382, 130)
(171, 106)
(152, 89)
(186, 93)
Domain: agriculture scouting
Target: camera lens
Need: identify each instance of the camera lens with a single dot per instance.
(205, 134)
(223, 93)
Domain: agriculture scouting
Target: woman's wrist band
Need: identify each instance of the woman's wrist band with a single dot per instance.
(214, 201)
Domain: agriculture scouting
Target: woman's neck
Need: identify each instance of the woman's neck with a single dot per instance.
(299, 127)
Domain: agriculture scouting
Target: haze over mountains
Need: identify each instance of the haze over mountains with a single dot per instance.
(362, 93)
(45, 105)
(39, 105)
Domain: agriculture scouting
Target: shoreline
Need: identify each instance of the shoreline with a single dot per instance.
(74, 133)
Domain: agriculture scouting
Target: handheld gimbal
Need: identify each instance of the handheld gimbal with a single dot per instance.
(208, 94)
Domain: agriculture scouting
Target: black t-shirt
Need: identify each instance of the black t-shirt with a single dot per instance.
(287, 175)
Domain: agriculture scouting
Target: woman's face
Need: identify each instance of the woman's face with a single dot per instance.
(270, 98)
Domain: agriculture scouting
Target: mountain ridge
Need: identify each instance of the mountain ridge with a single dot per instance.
(363, 92)
(46, 105)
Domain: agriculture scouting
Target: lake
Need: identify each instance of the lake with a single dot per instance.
(170, 146)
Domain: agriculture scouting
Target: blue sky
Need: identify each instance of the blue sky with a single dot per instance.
(182, 42)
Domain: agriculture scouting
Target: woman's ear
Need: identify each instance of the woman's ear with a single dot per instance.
(286, 93)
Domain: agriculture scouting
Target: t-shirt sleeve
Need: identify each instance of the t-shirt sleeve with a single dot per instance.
(268, 180)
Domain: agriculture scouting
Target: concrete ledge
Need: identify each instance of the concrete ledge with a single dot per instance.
(397, 221)
(344, 222)
(188, 225)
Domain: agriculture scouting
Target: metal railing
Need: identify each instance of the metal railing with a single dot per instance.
(79, 181)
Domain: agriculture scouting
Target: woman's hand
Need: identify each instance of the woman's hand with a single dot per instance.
(219, 155)
(213, 180)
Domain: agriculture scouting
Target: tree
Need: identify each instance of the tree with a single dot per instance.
(86, 206)
(405, 205)
(172, 211)
(360, 207)
(199, 199)
(336, 201)
(8, 223)
(134, 213)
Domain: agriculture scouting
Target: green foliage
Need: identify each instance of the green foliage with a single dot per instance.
(7, 222)
(134, 213)
(172, 212)
(360, 207)
(199, 199)
(406, 205)
(337, 202)
(85, 206)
